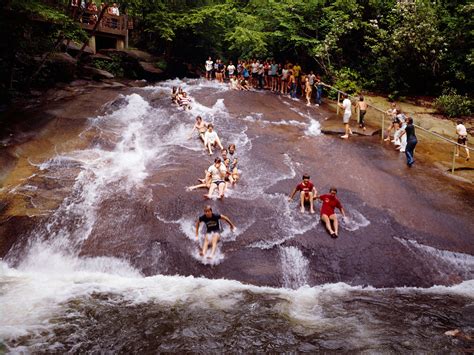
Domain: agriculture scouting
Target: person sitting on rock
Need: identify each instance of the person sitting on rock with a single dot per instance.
(201, 127)
(330, 202)
(211, 139)
(216, 173)
(307, 193)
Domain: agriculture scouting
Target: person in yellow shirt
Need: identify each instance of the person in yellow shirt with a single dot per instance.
(296, 73)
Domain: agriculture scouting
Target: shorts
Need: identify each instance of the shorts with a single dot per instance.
(462, 140)
(346, 118)
(218, 182)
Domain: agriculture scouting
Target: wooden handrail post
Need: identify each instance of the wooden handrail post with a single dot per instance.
(338, 98)
(454, 160)
(383, 125)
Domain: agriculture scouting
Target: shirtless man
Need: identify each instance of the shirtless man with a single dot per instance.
(216, 173)
(211, 139)
(307, 193)
(211, 220)
(330, 202)
(200, 126)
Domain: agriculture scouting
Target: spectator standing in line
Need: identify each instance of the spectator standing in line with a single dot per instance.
(347, 107)
(411, 142)
(319, 89)
(461, 131)
(362, 111)
(209, 66)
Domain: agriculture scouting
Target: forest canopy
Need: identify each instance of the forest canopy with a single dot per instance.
(410, 47)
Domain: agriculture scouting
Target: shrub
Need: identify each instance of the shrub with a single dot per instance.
(345, 80)
(452, 104)
(113, 66)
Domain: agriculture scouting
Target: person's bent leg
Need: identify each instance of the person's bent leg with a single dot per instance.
(333, 218)
(211, 190)
(205, 245)
(215, 239)
(221, 189)
(311, 203)
(302, 201)
(326, 220)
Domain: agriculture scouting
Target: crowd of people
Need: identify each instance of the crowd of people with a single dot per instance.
(282, 78)
(89, 12)
(218, 177)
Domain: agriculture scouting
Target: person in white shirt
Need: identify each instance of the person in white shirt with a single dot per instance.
(209, 66)
(347, 107)
(231, 69)
(461, 131)
(211, 139)
(216, 173)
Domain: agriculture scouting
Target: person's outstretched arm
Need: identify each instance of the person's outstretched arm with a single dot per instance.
(225, 218)
(292, 194)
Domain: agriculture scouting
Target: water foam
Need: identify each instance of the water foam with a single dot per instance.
(295, 267)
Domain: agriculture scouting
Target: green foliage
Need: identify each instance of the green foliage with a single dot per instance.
(452, 104)
(345, 80)
(113, 66)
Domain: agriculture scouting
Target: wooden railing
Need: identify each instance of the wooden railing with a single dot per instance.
(383, 117)
(110, 23)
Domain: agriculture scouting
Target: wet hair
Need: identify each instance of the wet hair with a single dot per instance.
(344, 95)
(174, 89)
(333, 189)
(210, 125)
(361, 98)
(231, 145)
(198, 118)
(217, 160)
(207, 208)
(305, 176)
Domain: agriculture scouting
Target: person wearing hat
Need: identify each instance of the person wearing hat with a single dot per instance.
(307, 193)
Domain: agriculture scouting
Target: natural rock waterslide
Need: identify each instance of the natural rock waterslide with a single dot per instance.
(110, 200)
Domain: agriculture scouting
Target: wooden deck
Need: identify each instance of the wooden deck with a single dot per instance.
(110, 24)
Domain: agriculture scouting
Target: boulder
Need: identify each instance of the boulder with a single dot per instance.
(150, 71)
(61, 67)
(75, 48)
(96, 74)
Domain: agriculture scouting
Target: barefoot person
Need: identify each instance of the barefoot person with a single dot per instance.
(211, 139)
(211, 220)
(200, 126)
(216, 173)
(347, 107)
(308, 193)
(330, 202)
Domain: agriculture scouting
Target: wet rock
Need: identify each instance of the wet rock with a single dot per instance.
(96, 74)
(150, 71)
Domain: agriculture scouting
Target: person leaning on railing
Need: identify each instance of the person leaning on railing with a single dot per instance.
(114, 12)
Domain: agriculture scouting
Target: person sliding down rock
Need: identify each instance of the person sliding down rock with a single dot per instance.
(330, 202)
(308, 193)
(211, 220)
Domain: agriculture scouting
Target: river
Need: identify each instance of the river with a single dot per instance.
(110, 262)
